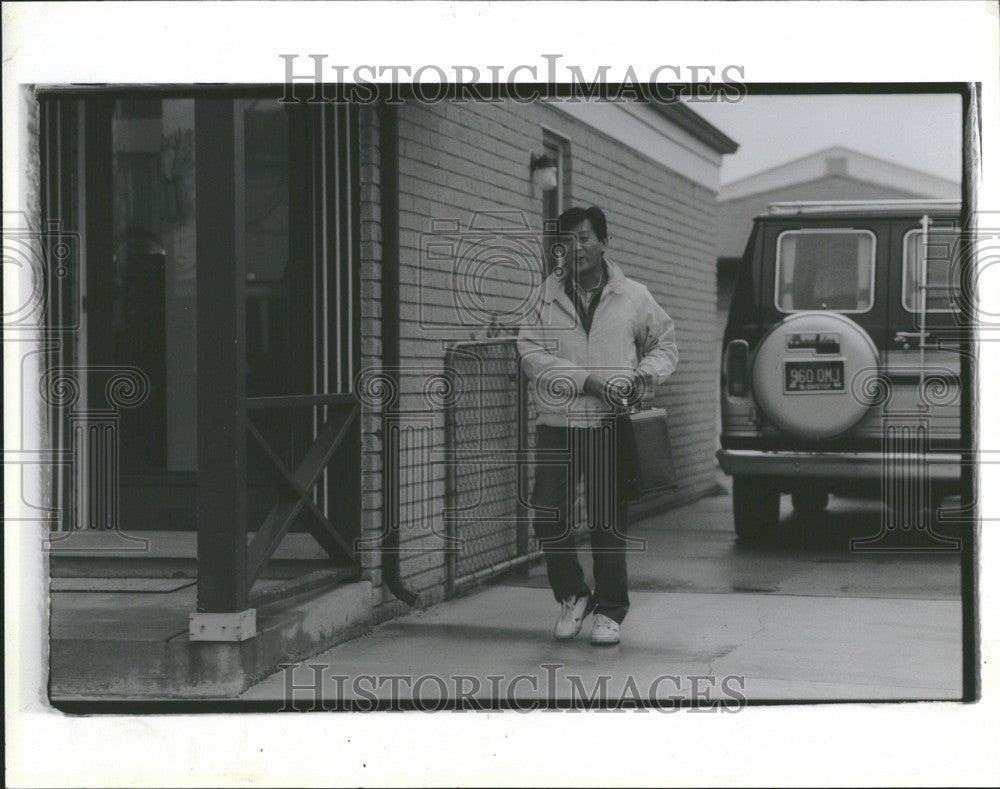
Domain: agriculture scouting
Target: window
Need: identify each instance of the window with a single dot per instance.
(825, 270)
(942, 278)
(148, 312)
(152, 280)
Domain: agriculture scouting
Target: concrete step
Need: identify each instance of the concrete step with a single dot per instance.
(133, 645)
(164, 554)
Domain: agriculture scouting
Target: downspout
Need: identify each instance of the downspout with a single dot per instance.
(389, 181)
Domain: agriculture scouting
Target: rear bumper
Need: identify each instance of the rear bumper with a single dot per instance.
(941, 466)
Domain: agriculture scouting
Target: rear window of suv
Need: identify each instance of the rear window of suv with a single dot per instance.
(825, 270)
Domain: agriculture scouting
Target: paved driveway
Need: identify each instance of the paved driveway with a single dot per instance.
(803, 618)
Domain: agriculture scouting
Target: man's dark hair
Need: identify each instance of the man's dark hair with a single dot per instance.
(572, 217)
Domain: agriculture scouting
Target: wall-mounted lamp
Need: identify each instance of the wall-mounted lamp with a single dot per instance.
(544, 171)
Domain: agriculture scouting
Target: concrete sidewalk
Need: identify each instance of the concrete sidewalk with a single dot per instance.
(803, 620)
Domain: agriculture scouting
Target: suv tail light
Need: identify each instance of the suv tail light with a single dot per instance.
(738, 368)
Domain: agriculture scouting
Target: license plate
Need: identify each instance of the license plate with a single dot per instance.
(814, 376)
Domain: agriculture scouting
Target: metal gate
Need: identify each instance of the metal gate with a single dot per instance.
(489, 436)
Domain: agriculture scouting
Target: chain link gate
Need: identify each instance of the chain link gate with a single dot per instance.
(489, 436)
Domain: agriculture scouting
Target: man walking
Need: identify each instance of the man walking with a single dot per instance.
(596, 338)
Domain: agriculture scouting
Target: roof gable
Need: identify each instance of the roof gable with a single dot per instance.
(843, 163)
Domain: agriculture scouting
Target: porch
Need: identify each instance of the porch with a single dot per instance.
(202, 342)
(128, 636)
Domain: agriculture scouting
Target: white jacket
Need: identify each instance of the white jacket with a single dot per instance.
(630, 331)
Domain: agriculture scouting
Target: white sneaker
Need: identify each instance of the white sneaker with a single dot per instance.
(605, 632)
(574, 610)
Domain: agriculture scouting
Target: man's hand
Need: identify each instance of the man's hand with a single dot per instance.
(609, 388)
(617, 388)
(642, 386)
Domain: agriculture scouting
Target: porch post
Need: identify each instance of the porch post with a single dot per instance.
(222, 461)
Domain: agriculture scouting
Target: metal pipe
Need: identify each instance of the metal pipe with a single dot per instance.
(450, 483)
(389, 181)
(497, 569)
(925, 226)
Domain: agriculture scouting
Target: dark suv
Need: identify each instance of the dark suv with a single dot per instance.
(836, 372)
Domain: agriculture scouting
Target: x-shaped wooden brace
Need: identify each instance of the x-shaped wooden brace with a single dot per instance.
(294, 493)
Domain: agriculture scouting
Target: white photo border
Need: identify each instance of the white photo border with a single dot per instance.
(774, 42)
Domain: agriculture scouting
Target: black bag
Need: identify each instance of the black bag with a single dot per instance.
(645, 459)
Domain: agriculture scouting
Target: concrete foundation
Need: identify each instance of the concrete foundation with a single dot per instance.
(136, 646)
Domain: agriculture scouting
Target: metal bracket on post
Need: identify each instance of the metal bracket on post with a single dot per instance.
(240, 626)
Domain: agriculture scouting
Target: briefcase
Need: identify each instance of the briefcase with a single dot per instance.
(645, 460)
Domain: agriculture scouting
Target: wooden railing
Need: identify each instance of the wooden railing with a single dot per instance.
(295, 485)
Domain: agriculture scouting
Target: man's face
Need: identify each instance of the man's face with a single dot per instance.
(587, 248)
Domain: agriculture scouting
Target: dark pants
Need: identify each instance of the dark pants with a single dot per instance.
(564, 455)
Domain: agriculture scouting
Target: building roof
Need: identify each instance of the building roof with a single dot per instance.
(846, 163)
(683, 116)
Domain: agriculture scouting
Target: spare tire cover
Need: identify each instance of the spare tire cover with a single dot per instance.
(802, 372)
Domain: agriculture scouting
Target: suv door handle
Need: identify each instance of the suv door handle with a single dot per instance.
(906, 337)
